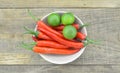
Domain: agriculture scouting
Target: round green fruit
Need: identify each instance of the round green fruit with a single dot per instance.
(67, 19)
(54, 19)
(69, 32)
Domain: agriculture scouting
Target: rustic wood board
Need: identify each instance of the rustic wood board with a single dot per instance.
(61, 69)
(104, 26)
(58, 3)
(103, 58)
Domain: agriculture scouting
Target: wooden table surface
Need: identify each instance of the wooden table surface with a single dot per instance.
(102, 15)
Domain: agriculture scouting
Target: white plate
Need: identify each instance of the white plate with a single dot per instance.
(63, 59)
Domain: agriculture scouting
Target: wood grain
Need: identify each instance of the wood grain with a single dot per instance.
(58, 3)
(11, 58)
(104, 27)
(60, 69)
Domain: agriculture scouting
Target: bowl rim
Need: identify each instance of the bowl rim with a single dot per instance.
(81, 51)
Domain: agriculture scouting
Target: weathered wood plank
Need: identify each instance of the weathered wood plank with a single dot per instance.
(58, 3)
(61, 69)
(14, 58)
(104, 26)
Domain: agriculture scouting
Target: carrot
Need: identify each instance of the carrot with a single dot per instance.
(63, 41)
(52, 44)
(77, 26)
(47, 50)
(37, 34)
(41, 24)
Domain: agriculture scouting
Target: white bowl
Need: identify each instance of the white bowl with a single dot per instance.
(63, 59)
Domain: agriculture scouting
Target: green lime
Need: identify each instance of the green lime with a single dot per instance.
(54, 19)
(69, 32)
(67, 18)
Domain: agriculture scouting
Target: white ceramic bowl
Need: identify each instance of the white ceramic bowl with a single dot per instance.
(63, 59)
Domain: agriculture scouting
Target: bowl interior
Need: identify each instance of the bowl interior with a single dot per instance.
(63, 59)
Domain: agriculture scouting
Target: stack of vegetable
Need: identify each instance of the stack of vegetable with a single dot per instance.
(59, 36)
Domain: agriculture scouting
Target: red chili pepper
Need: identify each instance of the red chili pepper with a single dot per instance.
(81, 36)
(46, 27)
(47, 50)
(43, 36)
(60, 28)
(52, 44)
(35, 38)
(63, 41)
(37, 34)
(41, 24)
(77, 26)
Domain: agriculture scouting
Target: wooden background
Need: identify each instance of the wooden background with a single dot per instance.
(103, 15)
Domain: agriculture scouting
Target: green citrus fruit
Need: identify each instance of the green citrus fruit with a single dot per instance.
(69, 32)
(67, 19)
(54, 19)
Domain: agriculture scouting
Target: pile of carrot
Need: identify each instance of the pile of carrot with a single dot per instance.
(49, 40)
